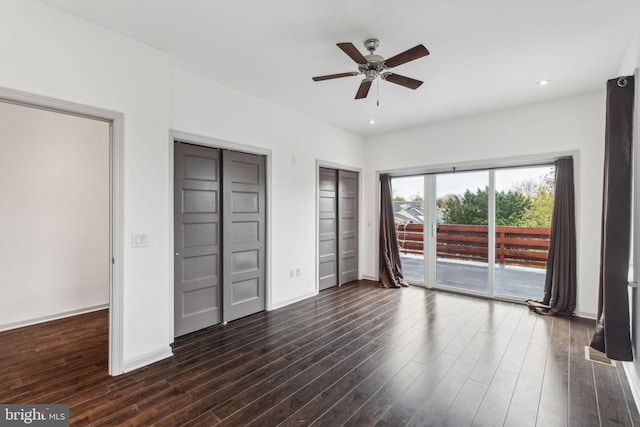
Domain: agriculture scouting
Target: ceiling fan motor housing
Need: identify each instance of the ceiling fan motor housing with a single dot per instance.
(371, 74)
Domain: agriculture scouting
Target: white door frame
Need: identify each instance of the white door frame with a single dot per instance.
(116, 211)
(178, 136)
(491, 237)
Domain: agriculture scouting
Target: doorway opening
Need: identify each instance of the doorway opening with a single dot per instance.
(64, 258)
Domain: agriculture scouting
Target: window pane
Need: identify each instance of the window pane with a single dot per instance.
(408, 207)
(524, 205)
(462, 238)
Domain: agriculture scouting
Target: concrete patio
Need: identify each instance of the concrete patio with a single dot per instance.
(511, 281)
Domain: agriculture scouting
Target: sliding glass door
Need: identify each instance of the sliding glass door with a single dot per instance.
(482, 232)
(524, 204)
(408, 207)
(462, 237)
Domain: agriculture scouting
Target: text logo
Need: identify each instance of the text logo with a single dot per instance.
(34, 415)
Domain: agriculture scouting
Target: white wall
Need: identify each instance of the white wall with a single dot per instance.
(565, 125)
(49, 53)
(53, 54)
(201, 107)
(633, 369)
(54, 221)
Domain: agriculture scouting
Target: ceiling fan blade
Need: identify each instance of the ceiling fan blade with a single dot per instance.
(353, 52)
(406, 56)
(402, 80)
(363, 90)
(334, 76)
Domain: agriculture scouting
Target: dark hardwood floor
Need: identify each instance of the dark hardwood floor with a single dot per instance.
(356, 355)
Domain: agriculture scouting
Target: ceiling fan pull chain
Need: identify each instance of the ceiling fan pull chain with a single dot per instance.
(377, 92)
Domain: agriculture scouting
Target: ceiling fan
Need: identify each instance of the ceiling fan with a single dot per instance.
(373, 66)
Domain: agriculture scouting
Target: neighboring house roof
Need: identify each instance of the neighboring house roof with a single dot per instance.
(413, 212)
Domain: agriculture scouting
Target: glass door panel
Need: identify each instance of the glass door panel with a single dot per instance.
(462, 217)
(408, 207)
(524, 204)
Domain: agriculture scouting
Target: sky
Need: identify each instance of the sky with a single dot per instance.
(459, 182)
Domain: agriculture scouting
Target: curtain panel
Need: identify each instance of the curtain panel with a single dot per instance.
(560, 280)
(612, 331)
(390, 266)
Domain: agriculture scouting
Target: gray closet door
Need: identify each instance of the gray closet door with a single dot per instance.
(347, 226)
(244, 206)
(197, 287)
(328, 226)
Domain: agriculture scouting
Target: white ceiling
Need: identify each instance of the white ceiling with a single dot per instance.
(485, 55)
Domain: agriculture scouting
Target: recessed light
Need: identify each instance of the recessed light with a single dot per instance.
(543, 82)
(372, 122)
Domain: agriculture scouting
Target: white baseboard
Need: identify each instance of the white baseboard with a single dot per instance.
(147, 359)
(634, 381)
(293, 300)
(51, 317)
(586, 315)
(369, 278)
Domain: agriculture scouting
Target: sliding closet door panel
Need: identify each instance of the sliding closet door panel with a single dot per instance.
(347, 226)
(244, 234)
(328, 224)
(197, 290)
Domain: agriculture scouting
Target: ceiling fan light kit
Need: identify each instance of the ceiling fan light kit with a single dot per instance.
(373, 66)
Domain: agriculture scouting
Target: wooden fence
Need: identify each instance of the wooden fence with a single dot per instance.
(523, 246)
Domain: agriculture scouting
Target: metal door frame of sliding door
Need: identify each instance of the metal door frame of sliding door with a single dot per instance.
(491, 237)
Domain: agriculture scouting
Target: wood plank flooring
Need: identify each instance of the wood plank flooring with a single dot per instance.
(355, 355)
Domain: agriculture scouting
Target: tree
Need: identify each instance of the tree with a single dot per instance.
(539, 212)
(529, 204)
(442, 202)
(530, 187)
(540, 194)
(473, 208)
(398, 199)
(510, 207)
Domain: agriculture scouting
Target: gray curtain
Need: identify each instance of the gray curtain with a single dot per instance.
(612, 332)
(390, 265)
(560, 280)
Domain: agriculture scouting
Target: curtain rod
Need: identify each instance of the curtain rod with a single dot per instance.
(454, 169)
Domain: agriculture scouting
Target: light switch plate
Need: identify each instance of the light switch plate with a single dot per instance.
(139, 240)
